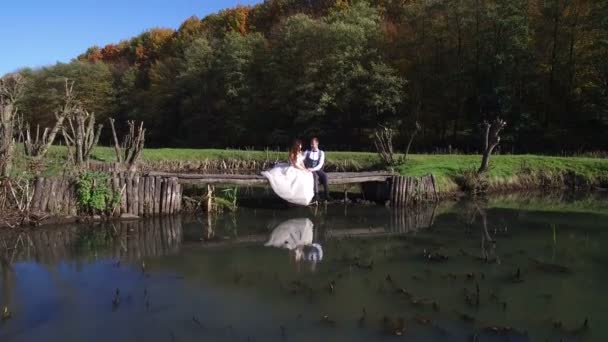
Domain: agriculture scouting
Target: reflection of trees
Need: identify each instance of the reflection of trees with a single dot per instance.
(125, 240)
(472, 210)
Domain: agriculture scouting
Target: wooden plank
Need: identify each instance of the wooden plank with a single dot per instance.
(335, 178)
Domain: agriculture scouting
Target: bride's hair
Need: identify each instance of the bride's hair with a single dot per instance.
(295, 149)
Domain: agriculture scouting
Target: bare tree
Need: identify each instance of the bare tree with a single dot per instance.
(129, 151)
(383, 140)
(81, 135)
(413, 134)
(11, 91)
(39, 146)
(491, 140)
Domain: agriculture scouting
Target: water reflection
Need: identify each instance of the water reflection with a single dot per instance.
(127, 240)
(297, 236)
(466, 271)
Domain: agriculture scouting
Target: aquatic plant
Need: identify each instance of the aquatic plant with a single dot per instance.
(94, 195)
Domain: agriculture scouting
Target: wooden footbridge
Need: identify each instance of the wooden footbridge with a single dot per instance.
(160, 193)
(333, 178)
(378, 186)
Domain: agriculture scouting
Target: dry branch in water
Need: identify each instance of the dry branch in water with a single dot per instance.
(128, 153)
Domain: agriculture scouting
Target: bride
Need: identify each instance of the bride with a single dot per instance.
(292, 182)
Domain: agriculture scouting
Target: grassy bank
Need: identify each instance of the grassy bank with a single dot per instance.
(506, 171)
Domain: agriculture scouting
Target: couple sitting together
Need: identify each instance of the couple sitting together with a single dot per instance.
(296, 182)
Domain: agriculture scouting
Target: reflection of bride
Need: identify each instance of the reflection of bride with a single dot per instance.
(297, 236)
(292, 182)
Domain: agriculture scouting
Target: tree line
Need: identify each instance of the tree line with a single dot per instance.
(259, 76)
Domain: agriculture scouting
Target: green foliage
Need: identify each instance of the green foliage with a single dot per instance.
(93, 84)
(257, 76)
(230, 196)
(94, 195)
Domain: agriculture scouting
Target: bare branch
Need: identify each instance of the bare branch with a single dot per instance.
(11, 90)
(129, 151)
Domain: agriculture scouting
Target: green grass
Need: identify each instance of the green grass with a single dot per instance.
(364, 159)
(506, 171)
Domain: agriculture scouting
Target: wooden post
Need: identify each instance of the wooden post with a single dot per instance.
(146, 195)
(37, 193)
(129, 194)
(399, 191)
(136, 195)
(179, 197)
(44, 199)
(209, 199)
(157, 195)
(163, 198)
(434, 187)
(153, 198)
(174, 196)
(168, 196)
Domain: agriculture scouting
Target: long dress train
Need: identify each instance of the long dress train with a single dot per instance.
(290, 183)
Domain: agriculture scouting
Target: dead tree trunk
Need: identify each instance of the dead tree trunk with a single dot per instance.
(491, 140)
(128, 153)
(39, 146)
(11, 90)
(82, 136)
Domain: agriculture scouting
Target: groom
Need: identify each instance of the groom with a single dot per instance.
(314, 159)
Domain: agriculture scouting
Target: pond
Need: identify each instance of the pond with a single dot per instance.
(509, 268)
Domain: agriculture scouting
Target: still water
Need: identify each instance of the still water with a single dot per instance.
(503, 269)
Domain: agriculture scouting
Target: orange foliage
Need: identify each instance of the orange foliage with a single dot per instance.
(237, 18)
(92, 55)
(191, 27)
(159, 38)
(110, 52)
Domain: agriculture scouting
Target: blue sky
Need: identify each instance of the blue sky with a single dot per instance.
(35, 33)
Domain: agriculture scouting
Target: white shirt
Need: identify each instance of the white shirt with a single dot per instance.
(316, 155)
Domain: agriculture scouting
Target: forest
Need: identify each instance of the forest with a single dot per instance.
(259, 76)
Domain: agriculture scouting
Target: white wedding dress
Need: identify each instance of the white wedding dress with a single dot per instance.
(292, 184)
(297, 236)
(291, 234)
